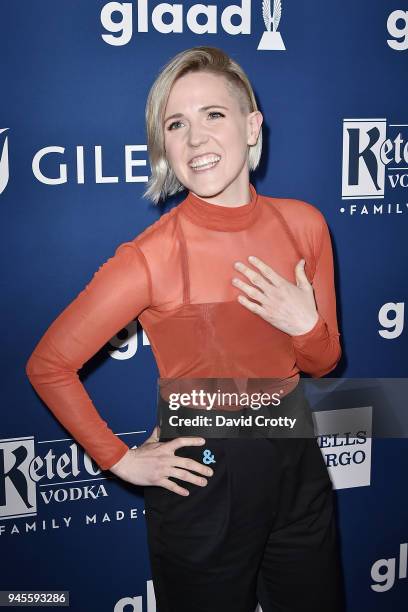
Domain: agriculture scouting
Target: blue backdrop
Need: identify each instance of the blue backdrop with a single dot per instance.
(332, 86)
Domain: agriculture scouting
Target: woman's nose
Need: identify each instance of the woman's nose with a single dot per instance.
(196, 135)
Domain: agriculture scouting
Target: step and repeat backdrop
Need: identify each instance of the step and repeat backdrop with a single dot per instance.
(331, 81)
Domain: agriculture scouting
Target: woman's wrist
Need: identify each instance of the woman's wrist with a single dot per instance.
(310, 328)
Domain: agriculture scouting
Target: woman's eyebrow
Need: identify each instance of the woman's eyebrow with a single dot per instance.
(201, 109)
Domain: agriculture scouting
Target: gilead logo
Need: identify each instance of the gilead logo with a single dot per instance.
(53, 165)
(120, 19)
(383, 570)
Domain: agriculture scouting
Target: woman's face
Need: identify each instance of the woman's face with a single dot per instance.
(206, 137)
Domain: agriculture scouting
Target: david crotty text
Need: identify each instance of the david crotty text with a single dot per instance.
(221, 421)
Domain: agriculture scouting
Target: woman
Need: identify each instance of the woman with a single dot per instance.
(258, 523)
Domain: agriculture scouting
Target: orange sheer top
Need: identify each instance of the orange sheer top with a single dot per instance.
(176, 277)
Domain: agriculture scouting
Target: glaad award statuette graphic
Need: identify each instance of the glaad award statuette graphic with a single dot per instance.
(271, 40)
(4, 164)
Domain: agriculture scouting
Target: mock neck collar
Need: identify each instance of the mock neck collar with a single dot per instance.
(222, 218)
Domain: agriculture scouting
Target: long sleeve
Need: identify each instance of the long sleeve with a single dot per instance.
(318, 351)
(117, 293)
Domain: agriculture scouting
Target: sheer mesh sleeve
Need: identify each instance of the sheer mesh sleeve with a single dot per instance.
(318, 351)
(117, 293)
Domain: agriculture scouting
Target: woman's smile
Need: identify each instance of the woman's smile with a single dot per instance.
(204, 162)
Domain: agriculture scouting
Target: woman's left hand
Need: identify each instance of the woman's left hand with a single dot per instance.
(291, 308)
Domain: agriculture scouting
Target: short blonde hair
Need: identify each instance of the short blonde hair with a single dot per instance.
(163, 182)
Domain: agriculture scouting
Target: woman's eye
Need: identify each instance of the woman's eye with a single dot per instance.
(170, 127)
(216, 113)
(211, 113)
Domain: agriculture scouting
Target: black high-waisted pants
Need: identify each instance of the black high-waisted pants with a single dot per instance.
(262, 530)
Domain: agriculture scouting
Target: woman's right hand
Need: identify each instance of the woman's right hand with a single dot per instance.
(153, 462)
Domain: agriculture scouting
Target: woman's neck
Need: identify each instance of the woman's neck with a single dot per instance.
(233, 216)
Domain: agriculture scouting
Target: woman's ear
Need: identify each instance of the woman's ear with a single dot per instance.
(254, 122)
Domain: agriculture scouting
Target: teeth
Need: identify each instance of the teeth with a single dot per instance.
(204, 161)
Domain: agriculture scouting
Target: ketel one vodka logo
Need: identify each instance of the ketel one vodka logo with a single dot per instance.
(371, 161)
(21, 473)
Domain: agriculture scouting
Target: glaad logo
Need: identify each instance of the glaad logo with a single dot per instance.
(169, 18)
(371, 161)
(135, 604)
(271, 40)
(392, 327)
(4, 162)
(125, 343)
(396, 32)
(385, 580)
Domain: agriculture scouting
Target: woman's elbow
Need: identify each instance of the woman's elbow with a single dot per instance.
(47, 367)
(32, 366)
(330, 366)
